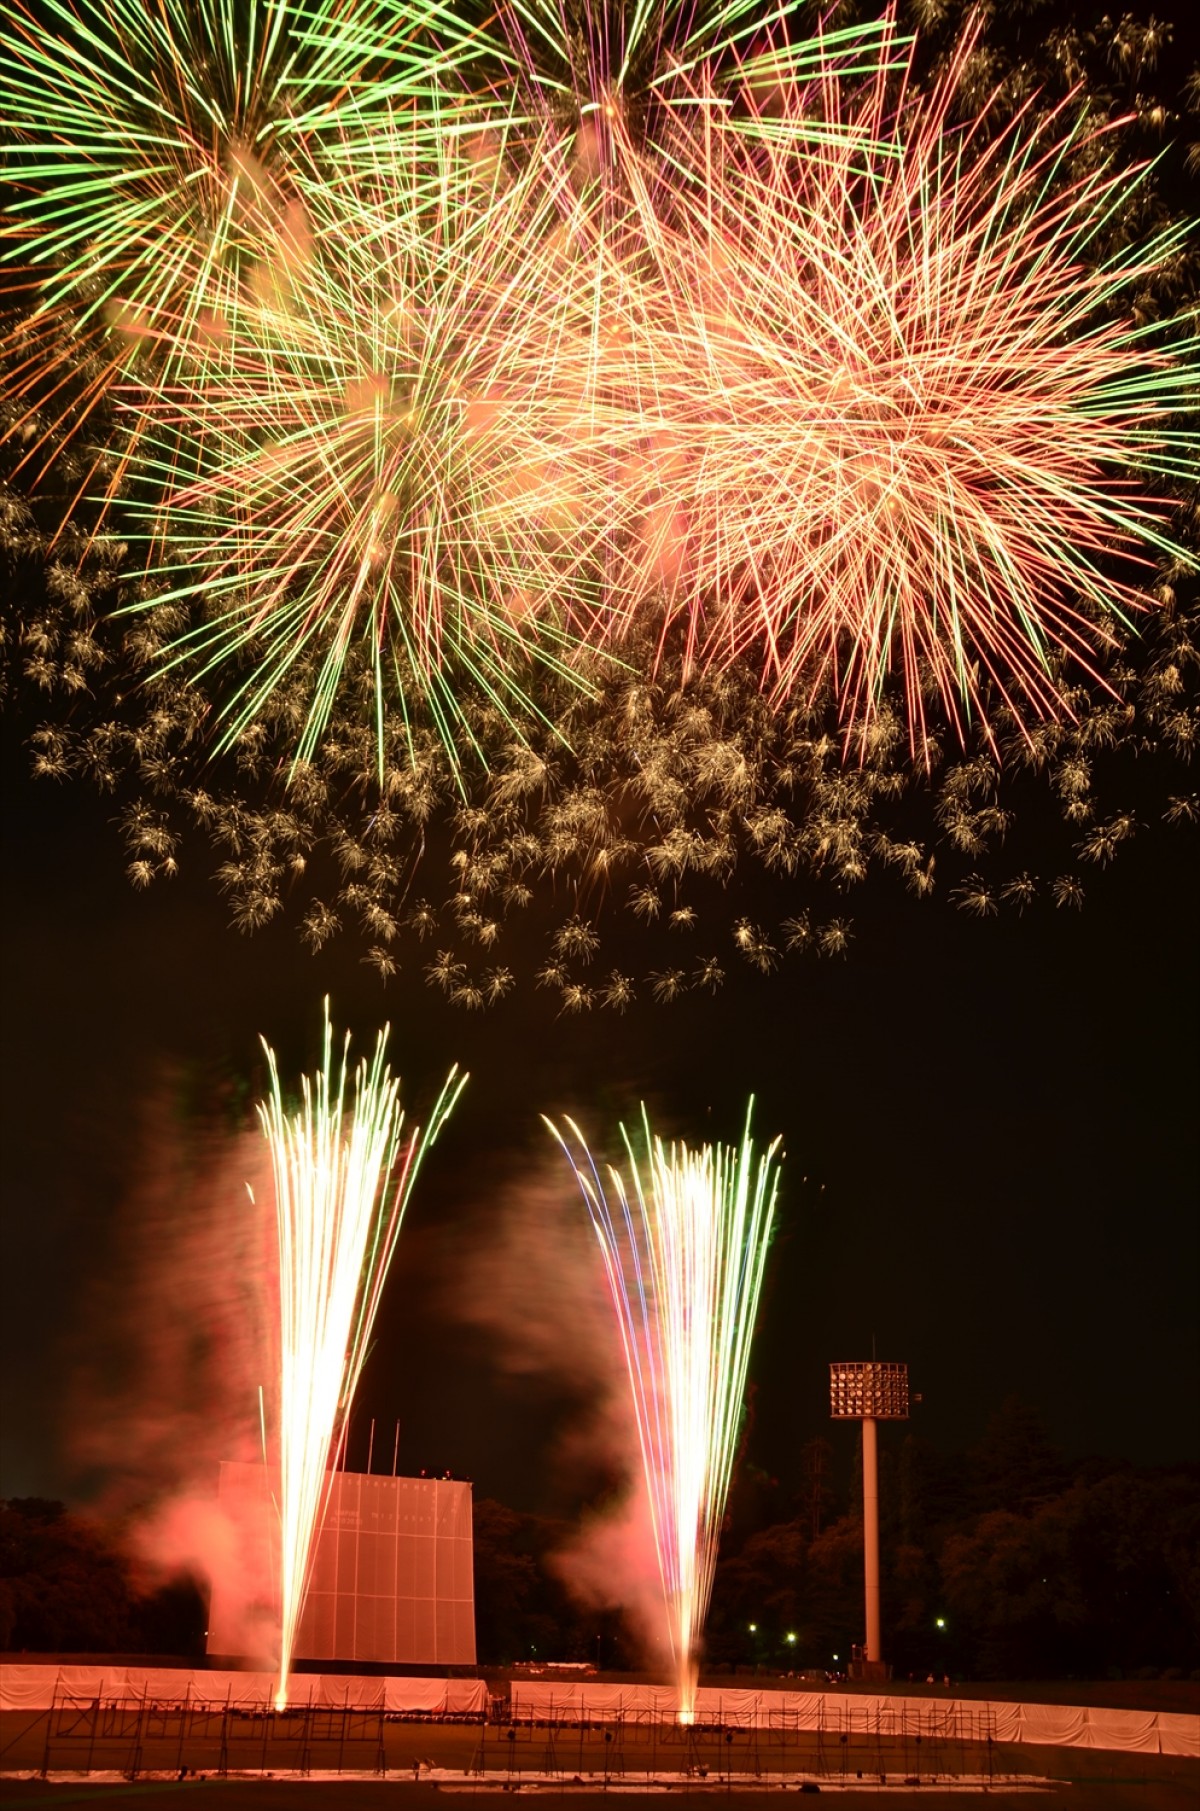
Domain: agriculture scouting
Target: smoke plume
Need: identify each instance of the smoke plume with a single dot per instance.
(175, 1339)
(534, 1282)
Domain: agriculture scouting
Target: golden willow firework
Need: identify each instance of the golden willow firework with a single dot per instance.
(343, 1177)
(685, 1243)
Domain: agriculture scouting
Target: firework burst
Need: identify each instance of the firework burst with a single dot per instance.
(150, 150)
(684, 1245)
(343, 1179)
(412, 450)
(912, 427)
(432, 369)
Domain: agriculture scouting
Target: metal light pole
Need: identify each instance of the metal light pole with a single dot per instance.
(869, 1393)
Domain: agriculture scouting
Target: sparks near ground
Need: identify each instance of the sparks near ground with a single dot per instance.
(684, 1242)
(343, 1176)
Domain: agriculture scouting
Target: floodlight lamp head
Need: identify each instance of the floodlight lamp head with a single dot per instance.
(872, 1391)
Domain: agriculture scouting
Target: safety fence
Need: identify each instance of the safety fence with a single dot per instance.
(181, 1739)
(158, 1739)
(640, 1747)
(136, 1721)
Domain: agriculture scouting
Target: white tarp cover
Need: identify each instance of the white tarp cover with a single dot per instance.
(852, 1713)
(38, 1687)
(1006, 1720)
(1128, 1729)
(750, 1709)
(34, 1688)
(1178, 1734)
(1061, 1725)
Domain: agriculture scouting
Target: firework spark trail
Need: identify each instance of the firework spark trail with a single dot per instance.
(339, 1204)
(589, 65)
(913, 414)
(684, 1247)
(671, 318)
(150, 149)
(412, 448)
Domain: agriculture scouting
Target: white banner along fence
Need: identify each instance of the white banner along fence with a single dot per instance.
(851, 1713)
(34, 1688)
(41, 1687)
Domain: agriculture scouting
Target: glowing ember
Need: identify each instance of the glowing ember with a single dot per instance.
(684, 1246)
(342, 1182)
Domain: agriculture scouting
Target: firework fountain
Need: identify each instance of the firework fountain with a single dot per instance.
(684, 1245)
(343, 1176)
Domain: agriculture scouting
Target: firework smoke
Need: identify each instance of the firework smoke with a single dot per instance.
(175, 1333)
(684, 1247)
(527, 1281)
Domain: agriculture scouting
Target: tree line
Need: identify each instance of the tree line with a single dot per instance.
(1007, 1562)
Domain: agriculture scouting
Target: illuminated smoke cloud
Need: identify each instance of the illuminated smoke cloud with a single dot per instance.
(177, 1335)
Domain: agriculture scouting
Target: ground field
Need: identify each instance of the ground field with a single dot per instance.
(1084, 1794)
(416, 1763)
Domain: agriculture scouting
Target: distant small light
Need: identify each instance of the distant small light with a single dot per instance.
(754, 1628)
(941, 1622)
(791, 1637)
(837, 1656)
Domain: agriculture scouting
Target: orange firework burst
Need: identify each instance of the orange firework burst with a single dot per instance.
(908, 419)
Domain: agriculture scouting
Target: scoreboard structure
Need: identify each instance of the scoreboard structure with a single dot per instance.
(392, 1579)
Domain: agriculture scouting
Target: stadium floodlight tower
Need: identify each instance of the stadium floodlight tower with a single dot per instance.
(870, 1392)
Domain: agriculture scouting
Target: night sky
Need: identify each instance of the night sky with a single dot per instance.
(990, 1132)
(990, 1126)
